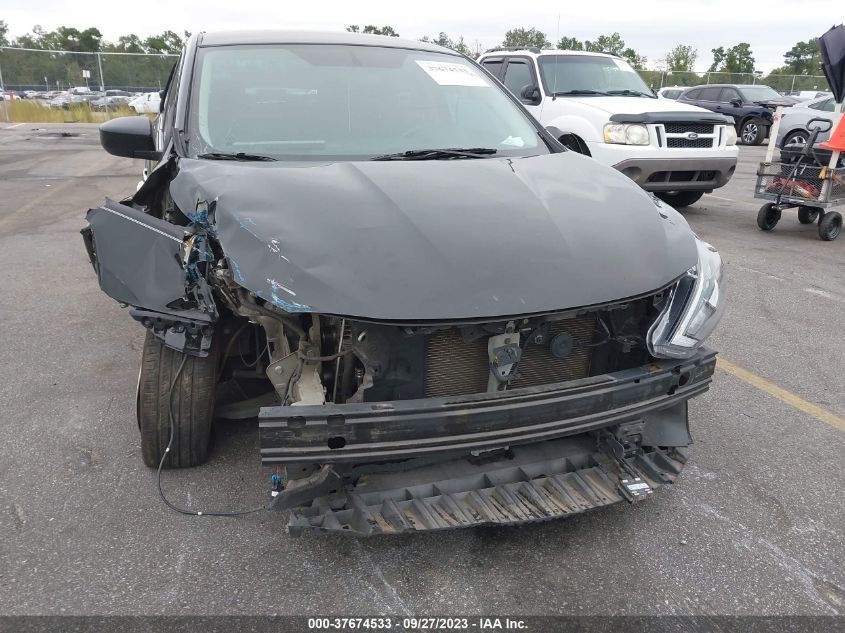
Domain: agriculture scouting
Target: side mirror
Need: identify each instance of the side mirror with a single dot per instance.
(130, 137)
(736, 103)
(530, 93)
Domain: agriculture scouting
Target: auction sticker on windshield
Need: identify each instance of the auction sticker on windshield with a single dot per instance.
(451, 74)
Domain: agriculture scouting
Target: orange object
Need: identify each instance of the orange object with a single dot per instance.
(836, 142)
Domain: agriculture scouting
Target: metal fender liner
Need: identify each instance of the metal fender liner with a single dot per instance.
(404, 429)
(535, 483)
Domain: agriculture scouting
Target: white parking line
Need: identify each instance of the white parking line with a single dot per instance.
(824, 293)
(732, 200)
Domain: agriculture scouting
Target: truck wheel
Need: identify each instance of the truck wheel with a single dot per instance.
(807, 215)
(193, 404)
(768, 217)
(752, 132)
(679, 198)
(830, 226)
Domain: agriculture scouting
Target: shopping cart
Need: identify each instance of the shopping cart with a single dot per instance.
(804, 182)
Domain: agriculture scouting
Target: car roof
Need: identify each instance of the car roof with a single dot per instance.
(536, 52)
(251, 37)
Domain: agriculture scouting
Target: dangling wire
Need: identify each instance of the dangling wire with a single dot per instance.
(167, 452)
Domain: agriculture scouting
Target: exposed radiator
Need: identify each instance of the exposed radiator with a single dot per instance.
(455, 368)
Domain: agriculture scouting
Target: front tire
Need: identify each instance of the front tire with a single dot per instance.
(679, 198)
(798, 137)
(752, 132)
(193, 404)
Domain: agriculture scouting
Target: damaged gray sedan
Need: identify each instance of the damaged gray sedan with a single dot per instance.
(439, 317)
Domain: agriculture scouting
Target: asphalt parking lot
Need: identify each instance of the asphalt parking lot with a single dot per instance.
(753, 526)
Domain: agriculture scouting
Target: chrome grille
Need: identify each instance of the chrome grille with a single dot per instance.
(455, 367)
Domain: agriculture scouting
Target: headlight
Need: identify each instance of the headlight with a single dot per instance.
(731, 135)
(693, 309)
(626, 133)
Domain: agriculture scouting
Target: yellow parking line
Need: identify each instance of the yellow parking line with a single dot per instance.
(9, 127)
(814, 410)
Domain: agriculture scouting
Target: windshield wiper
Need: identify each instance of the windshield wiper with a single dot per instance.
(439, 154)
(630, 93)
(569, 93)
(237, 156)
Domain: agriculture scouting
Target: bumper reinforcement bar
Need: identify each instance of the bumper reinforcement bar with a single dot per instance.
(408, 429)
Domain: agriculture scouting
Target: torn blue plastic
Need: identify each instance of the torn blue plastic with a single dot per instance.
(203, 214)
(284, 304)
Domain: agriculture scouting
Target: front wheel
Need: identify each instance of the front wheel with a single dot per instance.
(807, 215)
(752, 132)
(192, 404)
(768, 217)
(679, 198)
(830, 226)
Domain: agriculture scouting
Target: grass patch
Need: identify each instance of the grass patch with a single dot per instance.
(26, 111)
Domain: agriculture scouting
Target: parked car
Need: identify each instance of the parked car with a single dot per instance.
(598, 105)
(670, 92)
(793, 123)
(441, 317)
(9, 95)
(809, 95)
(110, 101)
(147, 103)
(751, 106)
(60, 101)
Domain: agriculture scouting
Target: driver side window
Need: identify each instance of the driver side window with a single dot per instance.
(518, 75)
(729, 94)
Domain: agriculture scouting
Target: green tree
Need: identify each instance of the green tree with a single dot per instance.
(804, 58)
(736, 60)
(374, 30)
(523, 38)
(613, 44)
(130, 43)
(444, 40)
(682, 58)
(570, 44)
(167, 42)
(4, 31)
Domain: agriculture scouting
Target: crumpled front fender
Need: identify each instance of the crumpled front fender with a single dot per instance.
(153, 266)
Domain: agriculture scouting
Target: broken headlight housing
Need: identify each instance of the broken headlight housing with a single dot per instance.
(694, 308)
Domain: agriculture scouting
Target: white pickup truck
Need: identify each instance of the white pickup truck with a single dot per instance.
(597, 104)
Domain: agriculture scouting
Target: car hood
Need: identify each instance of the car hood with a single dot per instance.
(432, 240)
(635, 105)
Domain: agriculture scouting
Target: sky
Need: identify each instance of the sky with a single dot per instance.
(651, 27)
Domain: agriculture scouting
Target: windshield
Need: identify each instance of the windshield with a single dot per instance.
(576, 73)
(348, 102)
(759, 93)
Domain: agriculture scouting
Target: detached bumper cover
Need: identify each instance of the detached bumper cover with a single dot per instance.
(407, 429)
